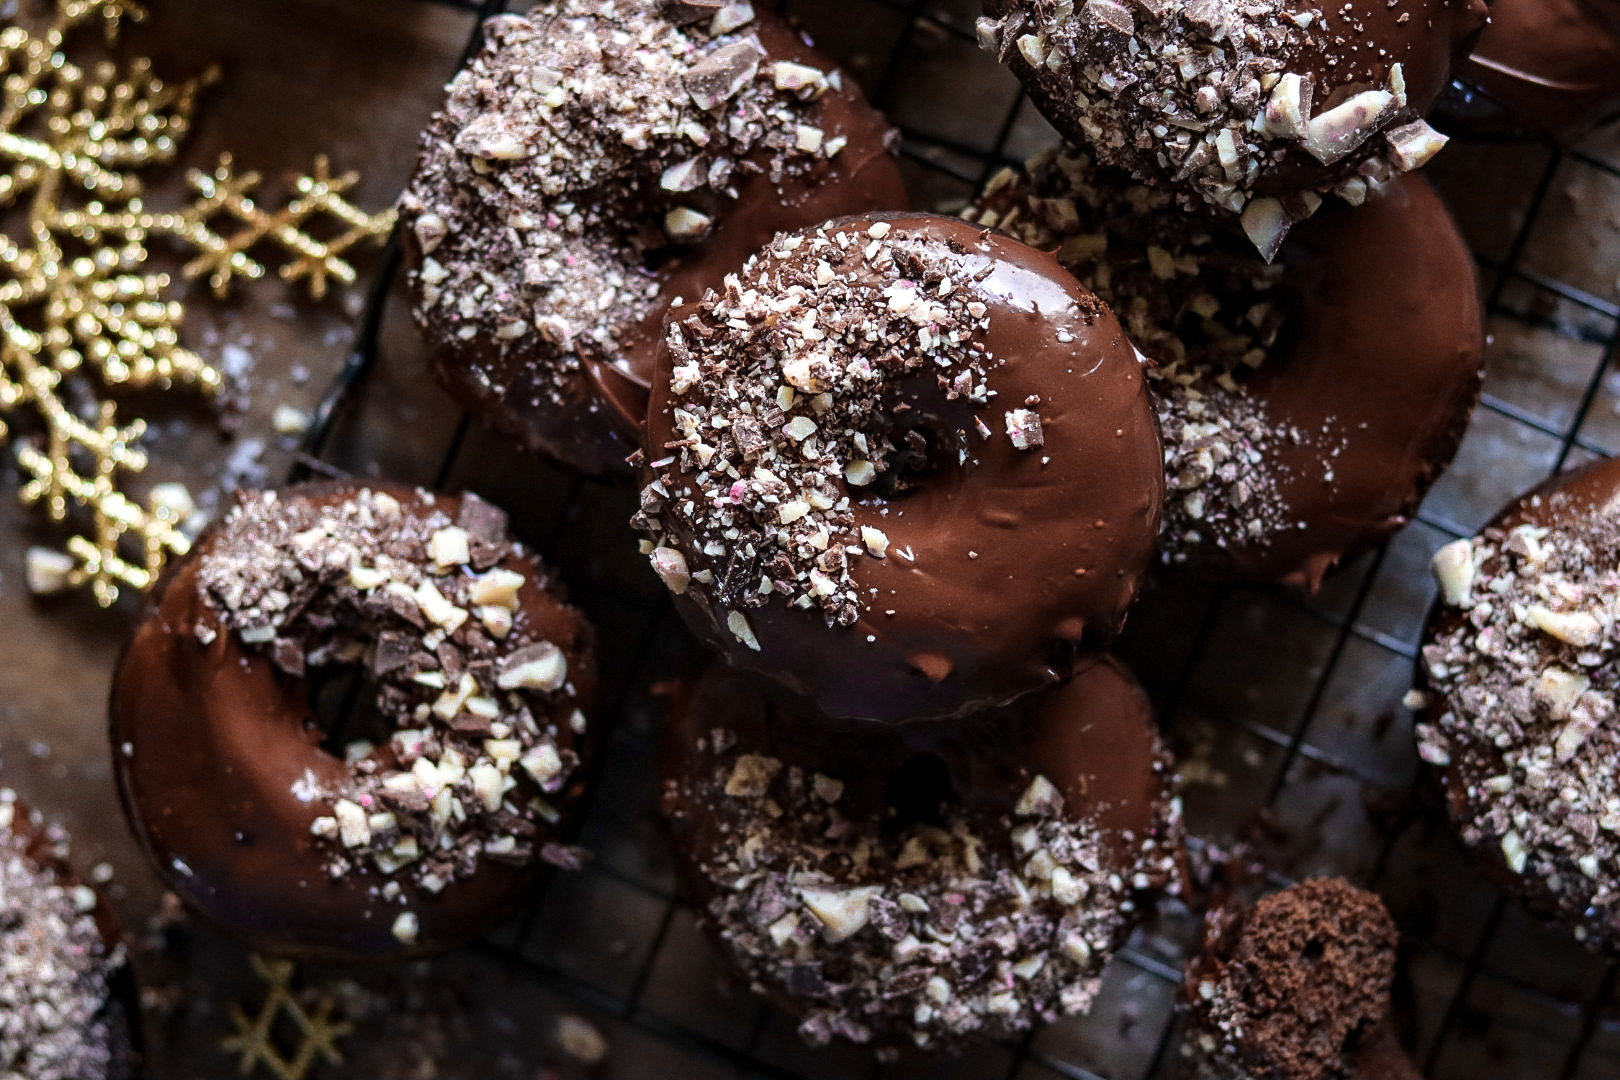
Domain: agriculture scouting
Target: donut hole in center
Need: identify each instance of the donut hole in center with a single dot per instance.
(919, 793)
(344, 709)
(925, 446)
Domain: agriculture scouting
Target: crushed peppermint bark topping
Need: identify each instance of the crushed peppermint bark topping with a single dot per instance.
(790, 391)
(1218, 97)
(587, 141)
(1521, 668)
(55, 1020)
(427, 604)
(1201, 307)
(941, 929)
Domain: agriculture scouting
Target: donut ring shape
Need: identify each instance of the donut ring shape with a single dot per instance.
(408, 845)
(1258, 109)
(1546, 65)
(597, 162)
(1519, 664)
(898, 888)
(1306, 406)
(916, 504)
(91, 993)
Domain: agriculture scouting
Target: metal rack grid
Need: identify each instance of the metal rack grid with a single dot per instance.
(1314, 732)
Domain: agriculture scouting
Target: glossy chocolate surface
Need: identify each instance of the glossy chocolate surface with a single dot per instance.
(1001, 560)
(588, 414)
(1552, 65)
(219, 759)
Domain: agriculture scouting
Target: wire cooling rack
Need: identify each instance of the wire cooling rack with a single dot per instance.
(1285, 712)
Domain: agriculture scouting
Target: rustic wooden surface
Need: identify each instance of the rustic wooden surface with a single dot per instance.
(1286, 718)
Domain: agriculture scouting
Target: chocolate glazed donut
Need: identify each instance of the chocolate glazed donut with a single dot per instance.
(901, 465)
(542, 289)
(1519, 668)
(95, 1032)
(1289, 101)
(821, 865)
(1306, 406)
(218, 748)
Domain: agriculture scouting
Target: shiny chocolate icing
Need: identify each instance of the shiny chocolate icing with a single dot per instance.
(1116, 77)
(745, 773)
(219, 758)
(997, 561)
(503, 349)
(1306, 406)
(1552, 65)
(1296, 987)
(1519, 668)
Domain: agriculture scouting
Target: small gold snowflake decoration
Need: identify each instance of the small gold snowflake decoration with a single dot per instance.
(82, 315)
(314, 1033)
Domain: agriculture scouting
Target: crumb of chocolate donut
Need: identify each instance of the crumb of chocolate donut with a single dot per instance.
(54, 986)
(1202, 95)
(1292, 988)
(366, 582)
(783, 385)
(1203, 310)
(1527, 679)
(563, 161)
(962, 927)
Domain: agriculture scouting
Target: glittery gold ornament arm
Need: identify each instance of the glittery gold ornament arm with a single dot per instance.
(76, 298)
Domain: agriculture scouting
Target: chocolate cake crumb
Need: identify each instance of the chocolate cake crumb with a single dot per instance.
(1523, 669)
(472, 700)
(1294, 988)
(56, 1022)
(782, 388)
(964, 926)
(583, 143)
(1202, 308)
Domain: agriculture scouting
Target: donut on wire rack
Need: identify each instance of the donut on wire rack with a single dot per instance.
(597, 161)
(421, 824)
(1306, 405)
(1519, 666)
(902, 887)
(1254, 108)
(902, 465)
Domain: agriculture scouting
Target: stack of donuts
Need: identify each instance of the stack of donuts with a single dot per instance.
(903, 475)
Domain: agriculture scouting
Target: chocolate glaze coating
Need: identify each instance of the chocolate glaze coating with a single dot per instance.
(1296, 988)
(107, 1048)
(1536, 703)
(1093, 739)
(1352, 407)
(219, 759)
(1000, 560)
(1550, 65)
(1135, 120)
(584, 403)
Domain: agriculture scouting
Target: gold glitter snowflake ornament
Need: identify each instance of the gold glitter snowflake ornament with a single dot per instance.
(255, 1044)
(82, 313)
